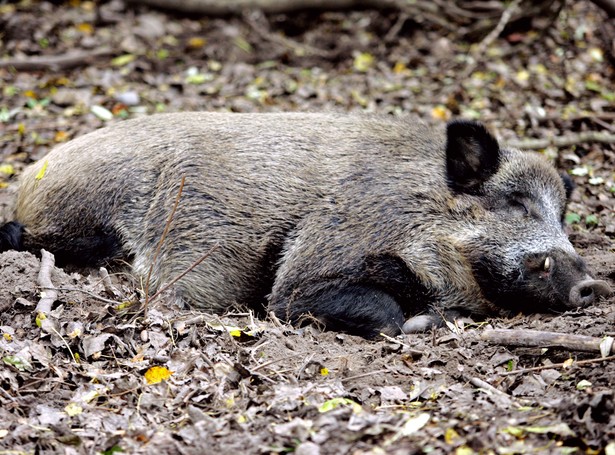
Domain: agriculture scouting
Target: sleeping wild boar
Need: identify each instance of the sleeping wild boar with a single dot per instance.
(359, 222)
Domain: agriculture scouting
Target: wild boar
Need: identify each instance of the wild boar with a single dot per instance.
(359, 222)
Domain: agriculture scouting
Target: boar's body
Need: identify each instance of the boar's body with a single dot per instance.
(359, 221)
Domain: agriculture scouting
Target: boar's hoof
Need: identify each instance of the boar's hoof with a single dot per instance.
(420, 323)
(588, 291)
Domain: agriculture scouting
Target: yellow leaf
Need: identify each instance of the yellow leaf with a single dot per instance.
(568, 363)
(450, 436)
(333, 403)
(363, 62)
(41, 173)
(196, 42)
(400, 67)
(441, 113)
(8, 337)
(73, 409)
(324, 371)
(235, 333)
(40, 317)
(122, 306)
(7, 169)
(60, 136)
(21, 129)
(30, 94)
(85, 28)
(157, 374)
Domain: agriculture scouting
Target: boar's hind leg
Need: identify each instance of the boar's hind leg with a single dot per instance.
(94, 248)
(352, 308)
(11, 236)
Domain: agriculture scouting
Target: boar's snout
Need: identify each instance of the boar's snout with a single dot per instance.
(588, 291)
(562, 278)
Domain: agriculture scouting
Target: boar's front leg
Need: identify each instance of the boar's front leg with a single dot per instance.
(357, 309)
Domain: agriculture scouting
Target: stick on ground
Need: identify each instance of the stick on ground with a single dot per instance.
(49, 294)
(537, 338)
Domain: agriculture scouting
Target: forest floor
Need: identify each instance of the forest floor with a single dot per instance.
(83, 380)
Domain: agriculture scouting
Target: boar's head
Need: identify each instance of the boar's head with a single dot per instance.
(514, 239)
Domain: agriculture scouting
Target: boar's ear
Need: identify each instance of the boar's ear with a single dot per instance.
(568, 185)
(472, 155)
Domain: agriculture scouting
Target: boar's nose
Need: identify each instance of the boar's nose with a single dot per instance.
(588, 291)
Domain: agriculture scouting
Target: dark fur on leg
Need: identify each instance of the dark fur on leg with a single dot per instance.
(11, 236)
(355, 309)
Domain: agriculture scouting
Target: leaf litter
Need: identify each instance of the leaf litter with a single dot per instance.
(102, 376)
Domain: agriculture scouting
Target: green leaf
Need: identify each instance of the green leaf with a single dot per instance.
(333, 403)
(18, 362)
(573, 218)
(592, 220)
(123, 60)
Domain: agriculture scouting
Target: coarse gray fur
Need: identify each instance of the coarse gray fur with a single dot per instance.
(293, 201)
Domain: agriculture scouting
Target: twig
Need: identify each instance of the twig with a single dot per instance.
(275, 320)
(55, 62)
(480, 49)
(396, 28)
(564, 141)
(537, 338)
(476, 382)
(50, 294)
(167, 226)
(106, 281)
(558, 365)
(257, 20)
(189, 269)
(83, 291)
(65, 344)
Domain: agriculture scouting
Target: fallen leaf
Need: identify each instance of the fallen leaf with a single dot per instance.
(157, 374)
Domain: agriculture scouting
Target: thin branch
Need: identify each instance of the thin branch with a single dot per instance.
(481, 48)
(56, 62)
(257, 20)
(559, 365)
(189, 269)
(564, 141)
(167, 226)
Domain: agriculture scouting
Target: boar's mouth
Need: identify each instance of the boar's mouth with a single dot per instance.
(552, 281)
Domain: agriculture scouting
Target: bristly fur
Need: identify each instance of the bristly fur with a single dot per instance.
(357, 221)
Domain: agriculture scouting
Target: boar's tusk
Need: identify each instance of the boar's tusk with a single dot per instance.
(547, 265)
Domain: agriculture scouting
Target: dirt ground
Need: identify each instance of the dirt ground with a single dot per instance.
(81, 380)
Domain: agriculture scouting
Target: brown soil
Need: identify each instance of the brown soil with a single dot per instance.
(74, 382)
